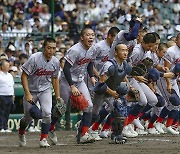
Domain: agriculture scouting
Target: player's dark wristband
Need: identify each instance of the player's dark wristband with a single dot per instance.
(161, 74)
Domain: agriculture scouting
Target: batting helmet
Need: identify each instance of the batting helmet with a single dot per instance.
(99, 88)
(123, 88)
(35, 112)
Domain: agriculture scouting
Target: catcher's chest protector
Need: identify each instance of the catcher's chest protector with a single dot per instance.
(116, 74)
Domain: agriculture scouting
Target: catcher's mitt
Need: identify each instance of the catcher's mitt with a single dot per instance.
(147, 62)
(79, 102)
(139, 70)
(59, 109)
(134, 95)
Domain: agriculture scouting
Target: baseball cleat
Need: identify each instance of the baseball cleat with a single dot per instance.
(117, 139)
(141, 131)
(52, 136)
(95, 134)
(86, 138)
(137, 123)
(159, 128)
(126, 132)
(36, 129)
(153, 131)
(31, 129)
(22, 140)
(172, 131)
(104, 134)
(43, 143)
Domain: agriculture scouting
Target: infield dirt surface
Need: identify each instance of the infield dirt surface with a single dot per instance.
(148, 144)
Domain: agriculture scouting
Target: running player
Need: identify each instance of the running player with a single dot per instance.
(79, 60)
(38, 72)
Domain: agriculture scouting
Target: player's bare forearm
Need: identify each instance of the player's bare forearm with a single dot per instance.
(55, 83)
(24, 80)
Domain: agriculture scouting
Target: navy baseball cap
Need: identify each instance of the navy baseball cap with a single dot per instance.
(177, 68)
(153, 74)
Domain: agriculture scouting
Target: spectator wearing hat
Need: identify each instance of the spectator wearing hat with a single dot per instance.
(57, 24)
(37, 6)
(6, 95)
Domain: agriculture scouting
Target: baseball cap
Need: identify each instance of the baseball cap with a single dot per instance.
(20, 12)
(177, 28)
(13, 68)
(39, 1)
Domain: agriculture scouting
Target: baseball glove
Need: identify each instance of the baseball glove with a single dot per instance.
(147, 62)
(79, 102)
(139, 70)
(134, 95)
(59, 109)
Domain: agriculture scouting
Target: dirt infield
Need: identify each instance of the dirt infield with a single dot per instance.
(159, 144)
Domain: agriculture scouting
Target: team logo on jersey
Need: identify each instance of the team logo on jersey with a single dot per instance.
(105, 58)
(83, 61)
(41, 72)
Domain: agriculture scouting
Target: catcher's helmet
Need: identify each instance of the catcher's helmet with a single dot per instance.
(123, 88)
(35, 112)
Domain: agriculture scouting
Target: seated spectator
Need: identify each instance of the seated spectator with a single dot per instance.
(45, 15)
(37, 7)
(6, 95)
(70, 6)
(148, 11)
(19, 30)
(4, 16)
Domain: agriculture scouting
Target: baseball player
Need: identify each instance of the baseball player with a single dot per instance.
(171, 58)
(112, 74)
(79, 60)
(102, 52)
(139, 83)
(39, 72)
(128, 38)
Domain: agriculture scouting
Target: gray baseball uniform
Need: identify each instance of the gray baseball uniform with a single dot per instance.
(172, 56)
(146, 94)
(39, 73)
(79, 58)
(120, 39)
